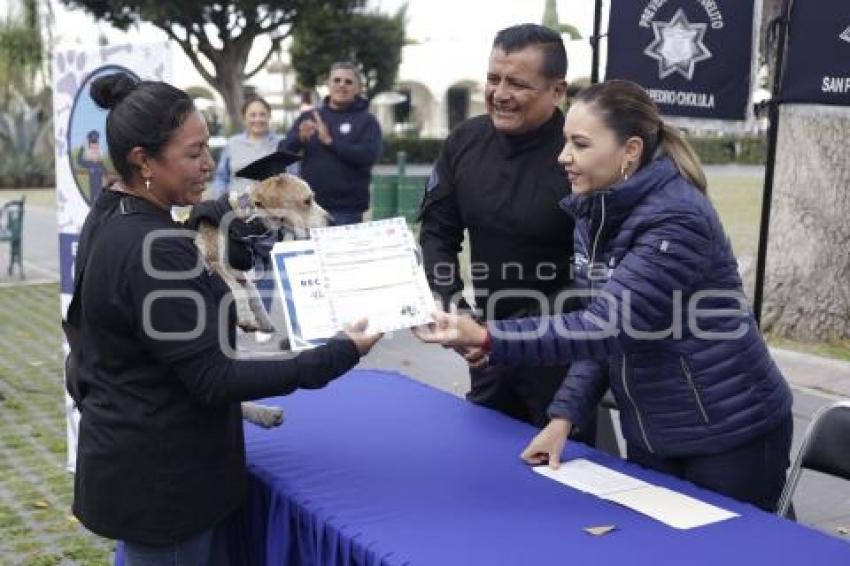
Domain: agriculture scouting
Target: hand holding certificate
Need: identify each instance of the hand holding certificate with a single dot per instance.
(349, 272)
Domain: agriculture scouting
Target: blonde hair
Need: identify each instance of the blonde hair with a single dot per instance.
(629, 112)
(683, 155)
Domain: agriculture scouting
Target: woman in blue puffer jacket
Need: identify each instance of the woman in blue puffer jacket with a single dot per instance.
(664, 322)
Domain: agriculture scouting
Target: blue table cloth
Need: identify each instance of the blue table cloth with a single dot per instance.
(380, 469)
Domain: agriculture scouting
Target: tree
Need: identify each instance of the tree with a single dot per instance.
(806, 292)
(217, 36)
(553, 22)
(21, 55)
(25, 103)
(373, 41)
(768, 37)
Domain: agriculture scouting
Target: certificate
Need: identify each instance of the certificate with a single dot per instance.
(678, 510)
(305, 301)
(374, 270)
(345, 273)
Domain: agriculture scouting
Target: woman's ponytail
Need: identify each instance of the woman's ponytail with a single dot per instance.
(683, 155)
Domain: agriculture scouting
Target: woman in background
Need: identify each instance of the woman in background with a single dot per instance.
(242, 149)
(256, 141)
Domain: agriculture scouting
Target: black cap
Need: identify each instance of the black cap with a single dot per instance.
(268, 166)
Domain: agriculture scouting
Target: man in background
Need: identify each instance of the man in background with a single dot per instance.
(340, 141)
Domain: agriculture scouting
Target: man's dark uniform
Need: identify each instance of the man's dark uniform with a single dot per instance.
(505, 190)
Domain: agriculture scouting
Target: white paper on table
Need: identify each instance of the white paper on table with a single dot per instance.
(670, 507)
(591, 478)
(374, 270)
(309, 321)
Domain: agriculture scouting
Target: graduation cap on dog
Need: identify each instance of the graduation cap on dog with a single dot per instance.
(268, 166)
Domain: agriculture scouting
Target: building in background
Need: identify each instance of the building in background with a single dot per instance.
(443, 79)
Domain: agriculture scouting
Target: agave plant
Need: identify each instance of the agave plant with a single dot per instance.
(23, 129)
(26, 145)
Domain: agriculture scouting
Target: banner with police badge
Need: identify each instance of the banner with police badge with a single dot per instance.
(83, 166)
(694, 57)
(817, 59)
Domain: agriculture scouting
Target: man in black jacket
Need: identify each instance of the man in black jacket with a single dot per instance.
(498, 177)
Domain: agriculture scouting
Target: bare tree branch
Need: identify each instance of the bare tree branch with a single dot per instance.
(186, 45)
(274, 47)
(232, 24)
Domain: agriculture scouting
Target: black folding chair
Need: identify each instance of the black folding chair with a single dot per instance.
(825, 448)
(11, 230)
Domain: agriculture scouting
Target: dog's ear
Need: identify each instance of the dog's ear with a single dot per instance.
(294, 188)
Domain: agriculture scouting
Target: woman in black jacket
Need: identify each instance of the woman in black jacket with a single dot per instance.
(161, 457)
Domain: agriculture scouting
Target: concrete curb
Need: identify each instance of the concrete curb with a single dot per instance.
(808, 371)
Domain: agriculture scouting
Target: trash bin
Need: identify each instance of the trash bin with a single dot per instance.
(384, 197)
(410, 191)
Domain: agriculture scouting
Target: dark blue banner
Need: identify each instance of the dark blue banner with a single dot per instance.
(817, 57)
(694, 57)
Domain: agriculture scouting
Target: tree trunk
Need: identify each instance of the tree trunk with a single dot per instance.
(807, 284)
(229, 85)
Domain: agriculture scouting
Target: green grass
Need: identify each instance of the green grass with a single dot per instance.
(737, 199)
(36, 526)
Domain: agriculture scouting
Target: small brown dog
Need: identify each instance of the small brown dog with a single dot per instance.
(280, 201)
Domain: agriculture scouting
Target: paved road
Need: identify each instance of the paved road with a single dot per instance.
(40, 247)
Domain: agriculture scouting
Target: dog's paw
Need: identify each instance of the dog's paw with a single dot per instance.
(260, 415)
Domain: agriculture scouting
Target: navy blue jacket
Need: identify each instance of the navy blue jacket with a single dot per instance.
(643, 248)
(339, 173)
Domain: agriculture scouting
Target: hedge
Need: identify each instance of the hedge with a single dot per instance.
(748, 150)
(419, 150)
(27, 171)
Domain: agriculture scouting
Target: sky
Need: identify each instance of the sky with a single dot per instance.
(456, 19)
(464, 22)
